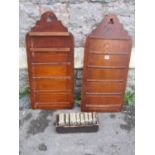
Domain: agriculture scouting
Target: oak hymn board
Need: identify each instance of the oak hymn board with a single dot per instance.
(106, 61)
(50, 64)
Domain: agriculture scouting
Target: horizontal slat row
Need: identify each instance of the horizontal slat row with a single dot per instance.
(50, 49)
(35, 34)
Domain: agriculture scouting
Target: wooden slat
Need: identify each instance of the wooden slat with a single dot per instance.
(92, 80)
(51, 84)
(49, 34)
(104, 87)
(52, 105)
(46, 70)
(104, 100)
(106, 67)
(109, 53)
(96, 93)
(49, 103)
(52, 77)
(102, 106)
(52, 91)
(50, 49)
(43, 97)
(106, 74)
(52, 63)
(108, 60)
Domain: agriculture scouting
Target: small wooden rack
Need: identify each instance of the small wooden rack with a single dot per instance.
(77, 127)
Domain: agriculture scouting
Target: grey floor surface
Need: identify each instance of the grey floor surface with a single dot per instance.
(38, 135)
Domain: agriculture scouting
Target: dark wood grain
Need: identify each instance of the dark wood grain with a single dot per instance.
(50, 59)
(106, 62)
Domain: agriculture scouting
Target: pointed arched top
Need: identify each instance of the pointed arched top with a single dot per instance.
(49, 23)
(110, 28)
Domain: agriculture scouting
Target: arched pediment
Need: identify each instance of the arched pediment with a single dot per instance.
(110, 28)
(49, 23)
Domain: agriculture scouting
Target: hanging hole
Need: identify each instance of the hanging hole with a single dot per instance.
(49, 19)
(111, 21)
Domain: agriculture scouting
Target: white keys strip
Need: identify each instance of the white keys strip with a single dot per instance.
(72, 119)
(78, 118)
(86, 117)
(90, 118)
(94, 118)
(67, 119)
(61, 119)
(82, 118)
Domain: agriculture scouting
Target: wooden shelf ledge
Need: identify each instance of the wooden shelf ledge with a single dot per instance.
(49, 49)
(107, 67)
(63, 34)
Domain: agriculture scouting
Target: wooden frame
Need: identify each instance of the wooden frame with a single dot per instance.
(106, 61)
(50, 56)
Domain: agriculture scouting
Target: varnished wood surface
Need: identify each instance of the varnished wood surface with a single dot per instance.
(106, 74)
(48, 57)
(49, 34)
(50, 64)
(106, 61)
(49, 49)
